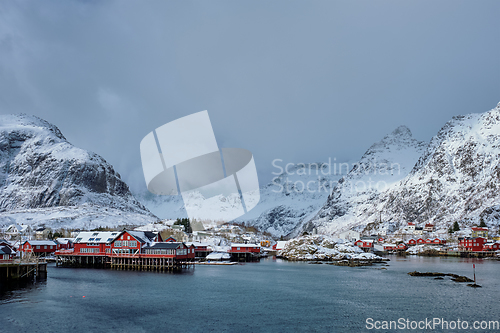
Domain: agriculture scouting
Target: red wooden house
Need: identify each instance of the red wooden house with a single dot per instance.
(395, 247)
(402, 247)
(94, 243)
(420, 241)
(170, 250)
(64, 243)
(365, 244)
(412, 242)
(471, 244)
(491, 246)
(130, 242)
(200, 249)
(39, 247)
(171, 239)
(244, 248)
(390, 247)
(244, 252)
(437, 241)
(429, 227)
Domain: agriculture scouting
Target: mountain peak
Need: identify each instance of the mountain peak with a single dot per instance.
(27, 122)
(402, 131)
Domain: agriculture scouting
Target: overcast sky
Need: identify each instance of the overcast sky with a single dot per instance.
(297, 80)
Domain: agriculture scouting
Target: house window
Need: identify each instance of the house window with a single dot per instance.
(38, 247)
(118, 243)
(125, 243)
(95, 234)
(237, 249)
(132, 243)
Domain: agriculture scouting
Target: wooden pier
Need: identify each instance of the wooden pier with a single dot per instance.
(137, 262)
(22, 271)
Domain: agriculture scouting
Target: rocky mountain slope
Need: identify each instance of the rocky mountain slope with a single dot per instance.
(382, 166)
(457, 178)
(46, 180)
(292, 198)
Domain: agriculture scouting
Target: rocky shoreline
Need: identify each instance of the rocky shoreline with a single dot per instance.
(318, 248)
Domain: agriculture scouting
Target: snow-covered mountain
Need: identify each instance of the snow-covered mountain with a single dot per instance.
(291, 198)
(380, 169)
(456, 178)
(46, 180)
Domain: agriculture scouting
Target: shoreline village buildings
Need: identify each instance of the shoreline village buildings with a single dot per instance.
(39, 247)
(429, 227)
(200, 249)
(138, 250)
(244, 252)
(410, 227)
(479, 232)
(493, 246)
(472, 244)
(6, 253)
(365, 244)
(394, 247)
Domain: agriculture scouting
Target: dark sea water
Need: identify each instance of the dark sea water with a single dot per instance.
(270, 296)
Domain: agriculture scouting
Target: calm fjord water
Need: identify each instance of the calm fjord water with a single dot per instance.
(270, 296)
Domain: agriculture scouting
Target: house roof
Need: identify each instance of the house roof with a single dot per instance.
(62, 240)
(96, 236)
(244, 245)
(18, 227)
(40, 242)
(145, 237)
(5, 250)
(163, 245)
(197, 244)
(150, 234)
